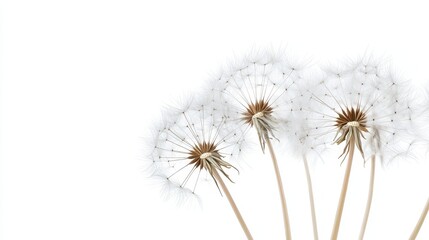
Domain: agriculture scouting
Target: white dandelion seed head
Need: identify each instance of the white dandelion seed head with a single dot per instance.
(420, 108)
(302, 138)
(192, 142)
(366, 98)
(252, 90)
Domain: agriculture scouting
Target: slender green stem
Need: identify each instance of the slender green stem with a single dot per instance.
(420, 222)
(342, 199)
(369, 200)
(232, 203)
(310, 194)
(280, 186)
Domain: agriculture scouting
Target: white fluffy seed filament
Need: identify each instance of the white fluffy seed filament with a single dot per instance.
(205, 155)
(353, 124)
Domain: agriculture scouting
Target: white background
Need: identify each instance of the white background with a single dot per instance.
(83, 81)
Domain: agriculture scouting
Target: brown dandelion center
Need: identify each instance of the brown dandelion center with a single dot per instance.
(351, 117)
(351, 124)
(259, 116)
(257, 110)
(201, 152)
(206, 156)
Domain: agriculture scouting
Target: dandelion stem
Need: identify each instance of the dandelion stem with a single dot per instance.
(420, 222)
(310, 194)
(369, 200)
(232, 203)
(342, 199)
(280, 186)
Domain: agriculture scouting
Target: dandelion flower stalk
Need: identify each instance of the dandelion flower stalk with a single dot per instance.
(369, 200)
(280, 186)
(311, 197)
(342, 198)
(232, 203)
(420, 221)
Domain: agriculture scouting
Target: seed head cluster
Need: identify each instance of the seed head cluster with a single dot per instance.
(363, 101)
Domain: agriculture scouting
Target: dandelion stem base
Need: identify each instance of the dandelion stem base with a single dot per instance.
(310, 193)
(369, 200)
(420, 222)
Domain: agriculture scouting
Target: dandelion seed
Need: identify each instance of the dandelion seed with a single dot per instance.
(194, 140)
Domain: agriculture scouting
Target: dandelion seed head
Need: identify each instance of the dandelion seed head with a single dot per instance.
(193, 141)
(253, 90)
(365, 100)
